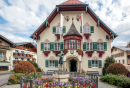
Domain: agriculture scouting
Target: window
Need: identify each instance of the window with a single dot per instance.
(22, 51)
(3, 55)
(115, 49)
(100, 46)
(0, 42)
(72, 44)
(16, 51)
(16, 59)
(94, 63)
(89, 46)
(57, 46)
(78, 44)
(86, 29)
(28, 59)
(51, 63)
(57, 30)
(116, 61)
(123, 61)
(66, 44)
(46, 46)
(22, 59)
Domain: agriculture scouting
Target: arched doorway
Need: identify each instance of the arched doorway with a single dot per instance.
(73, 65)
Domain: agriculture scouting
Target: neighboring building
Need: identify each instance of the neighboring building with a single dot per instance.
(121, 54)
(5, 53)
(48, 42)
(23, 51)
(11, 53)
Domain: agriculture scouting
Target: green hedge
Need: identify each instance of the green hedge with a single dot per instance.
(15, 78)
(117, 80)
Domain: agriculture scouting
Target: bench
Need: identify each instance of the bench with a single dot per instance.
(50, 72)
(92, 72)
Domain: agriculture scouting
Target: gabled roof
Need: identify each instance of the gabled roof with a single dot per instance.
(72, 31)
(7, 41)
(72, 5)
(70, 2)
(24, 43)
(124, 48)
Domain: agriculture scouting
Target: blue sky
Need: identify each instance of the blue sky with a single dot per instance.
(20, 18)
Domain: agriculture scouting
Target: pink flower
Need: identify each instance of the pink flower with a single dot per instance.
(17, 80)
(12, 78)
(39, 72)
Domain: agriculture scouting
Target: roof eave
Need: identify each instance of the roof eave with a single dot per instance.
(72, 5)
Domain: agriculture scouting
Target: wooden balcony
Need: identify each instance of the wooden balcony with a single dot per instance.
(4, 47)
(22, 55)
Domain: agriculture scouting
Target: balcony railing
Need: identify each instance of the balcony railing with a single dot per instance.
(4, 47)
(22, 55)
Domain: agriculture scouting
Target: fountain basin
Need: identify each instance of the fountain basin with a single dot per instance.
(61, 77)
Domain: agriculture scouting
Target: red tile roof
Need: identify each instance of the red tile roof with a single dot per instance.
(70, 2)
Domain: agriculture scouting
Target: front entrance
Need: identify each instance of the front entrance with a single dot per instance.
(73, 65)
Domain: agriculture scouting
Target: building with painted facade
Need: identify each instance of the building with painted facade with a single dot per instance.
(87, 55)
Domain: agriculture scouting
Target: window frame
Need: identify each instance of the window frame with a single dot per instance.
(87, 30)
(95, 65)
(89, 46)
(57, 30)
(51, 65)
(100, 47)
(48, 46)
(57, 46)
(3, 55)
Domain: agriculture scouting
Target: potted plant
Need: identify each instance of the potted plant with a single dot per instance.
(57, 52)
(89, 53)
(80, 52)
(100, 53)
(87, 35)
(46, 53)
(58, 36)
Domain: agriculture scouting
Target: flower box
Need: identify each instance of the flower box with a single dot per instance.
(65, 52)
(87, 35)
(46, 53)
(57, 52)
(89, 53)
(80, 52)
(100, 53)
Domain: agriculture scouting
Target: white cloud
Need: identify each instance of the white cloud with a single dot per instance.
(25, 16)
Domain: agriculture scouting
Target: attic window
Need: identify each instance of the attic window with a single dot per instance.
(86, 29)
(57, 30)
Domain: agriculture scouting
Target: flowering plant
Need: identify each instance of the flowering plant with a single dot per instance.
(23, 54)
(87, 35)
(100, 53)
(65, 52)
(46, 53)
(19, 53)
(58, 36)
(89, 53)
(57, 52)
(80, 52)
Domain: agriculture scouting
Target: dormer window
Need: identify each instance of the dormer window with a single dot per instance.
(86, 29)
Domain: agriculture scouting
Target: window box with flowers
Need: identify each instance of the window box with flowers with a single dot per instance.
(46, 53)
(65, 52)
(100, 53)
(80, 52)
(89, 53)
(58, 36)
(57, 52)
(19, 53)
(87, 35)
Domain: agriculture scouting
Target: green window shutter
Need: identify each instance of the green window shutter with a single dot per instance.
(80, 30)
(95, 46)
(84, 46)
(42, 46)
(61, 46)
(51, 46)
(89, 63)
(92, 29)
(54, 29)
(100, 63)
(64, 29)
(105, 46)
(46, 63)
(56, 63)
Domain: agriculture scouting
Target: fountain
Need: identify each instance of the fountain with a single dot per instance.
(61, 76)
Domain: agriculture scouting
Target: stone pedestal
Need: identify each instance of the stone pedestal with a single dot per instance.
(61, 77)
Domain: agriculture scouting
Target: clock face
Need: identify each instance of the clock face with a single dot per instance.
(72, 51)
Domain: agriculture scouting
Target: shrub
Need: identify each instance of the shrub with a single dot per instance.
(117, 80)
(117, 68)
(24, 67)
(108, 61)
(15, 78)
(38, 69)
(34, 64)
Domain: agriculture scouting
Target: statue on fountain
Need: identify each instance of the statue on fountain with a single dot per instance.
(61, 60)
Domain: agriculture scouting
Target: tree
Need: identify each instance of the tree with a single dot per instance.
(108, 61)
